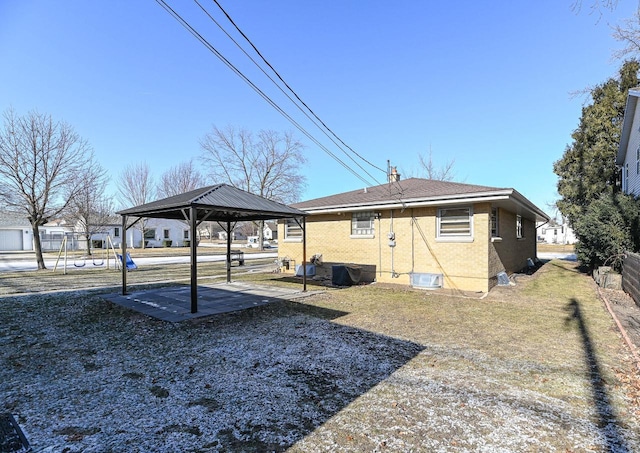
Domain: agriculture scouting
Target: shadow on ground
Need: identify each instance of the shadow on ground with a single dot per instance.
(606, 416)
(85, 374)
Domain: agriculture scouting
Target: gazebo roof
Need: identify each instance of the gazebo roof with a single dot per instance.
(221, 202)
(216, 203)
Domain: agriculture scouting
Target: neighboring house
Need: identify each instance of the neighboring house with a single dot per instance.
(270, 231)
(628, 157)
(552, 233)
(15, 233)
(399, 231)
(161, 232)
(52, 234)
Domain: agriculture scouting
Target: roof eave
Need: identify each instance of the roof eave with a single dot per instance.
(414, 202)
(493, 196)
(629, 114)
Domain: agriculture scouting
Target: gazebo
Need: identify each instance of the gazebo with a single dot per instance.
(222, 203)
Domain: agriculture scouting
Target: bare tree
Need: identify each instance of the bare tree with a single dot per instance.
(444, 173)
(90, 209)
(42, 167)
(136, 187)
(267, 164)
(597, 7)
(628, 33)
(182, 178)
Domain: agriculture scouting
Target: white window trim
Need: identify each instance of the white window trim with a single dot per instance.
(497, 235)
(519, 227)
(455, 237)
(288, 238)
(372, 228)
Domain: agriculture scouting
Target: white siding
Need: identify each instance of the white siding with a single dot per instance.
(10, 240)
(632, 184)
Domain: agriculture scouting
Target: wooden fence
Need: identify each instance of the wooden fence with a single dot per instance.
(631, 276)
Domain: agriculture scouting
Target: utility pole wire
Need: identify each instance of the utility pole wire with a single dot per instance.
(284, 92)
(288, 87)
(221, 57)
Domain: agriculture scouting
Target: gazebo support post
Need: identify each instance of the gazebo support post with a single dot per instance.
(304, 254)
(123, 263)
(228, 252)
(193, 217)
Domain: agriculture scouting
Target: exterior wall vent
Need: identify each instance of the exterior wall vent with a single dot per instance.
(426, 281)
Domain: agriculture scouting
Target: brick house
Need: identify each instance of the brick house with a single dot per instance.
(464, 233)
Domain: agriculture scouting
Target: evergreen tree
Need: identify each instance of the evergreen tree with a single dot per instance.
(587, 169)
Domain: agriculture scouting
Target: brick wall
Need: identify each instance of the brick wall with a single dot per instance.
(469, 265)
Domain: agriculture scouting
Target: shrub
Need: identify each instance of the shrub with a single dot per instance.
(609, 227)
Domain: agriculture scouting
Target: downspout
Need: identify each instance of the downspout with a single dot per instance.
(413, 245)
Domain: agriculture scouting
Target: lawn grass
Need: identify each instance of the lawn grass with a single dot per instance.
(100, 277)
(534, 367)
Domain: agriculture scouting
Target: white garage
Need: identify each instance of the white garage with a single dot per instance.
(10, 240)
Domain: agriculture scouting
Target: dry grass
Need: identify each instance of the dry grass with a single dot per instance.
(558, 248)
(99, 277)
(535, 367)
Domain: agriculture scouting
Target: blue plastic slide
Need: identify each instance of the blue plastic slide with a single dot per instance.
(130, 264)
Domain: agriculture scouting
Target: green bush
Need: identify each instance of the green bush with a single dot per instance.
(167, 243)
(609, 227)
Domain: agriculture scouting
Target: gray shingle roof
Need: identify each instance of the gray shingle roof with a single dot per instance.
(14, 221)
(405, 190)
(219, 202)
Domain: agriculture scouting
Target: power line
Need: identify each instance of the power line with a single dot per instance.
(287, 85)
(221, 57)
(283, 91)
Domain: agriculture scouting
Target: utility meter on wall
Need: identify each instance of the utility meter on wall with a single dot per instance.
(392, 239)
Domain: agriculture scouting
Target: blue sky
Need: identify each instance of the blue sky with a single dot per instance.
(487, 84)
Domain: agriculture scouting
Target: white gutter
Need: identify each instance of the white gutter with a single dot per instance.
(415, 202)
(504, 195)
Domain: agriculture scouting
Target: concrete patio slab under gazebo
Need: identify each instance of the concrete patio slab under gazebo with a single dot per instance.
(173, 303)
(221, 203)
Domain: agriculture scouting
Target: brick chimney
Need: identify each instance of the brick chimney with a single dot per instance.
(394, 176)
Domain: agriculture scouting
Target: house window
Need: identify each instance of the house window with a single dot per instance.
(292, 230)
(638, 161)
(185, 234)
(494, 223)
(166, 234)
(150, 233)
(455, 222)
(116, 232)
(625, 179)
(362, 223)
(519, 227)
